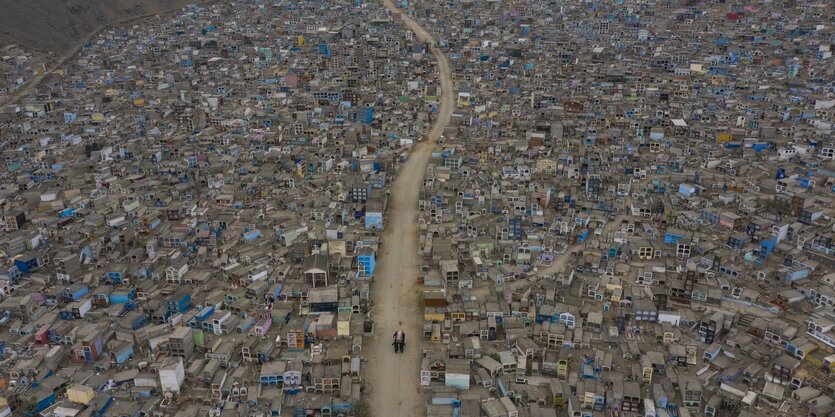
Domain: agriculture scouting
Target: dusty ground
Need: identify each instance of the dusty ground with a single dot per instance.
(57, 25)
(395, 292)
(59, 29)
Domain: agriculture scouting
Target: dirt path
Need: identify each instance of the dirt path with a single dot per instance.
(558, 265)
(395, 292)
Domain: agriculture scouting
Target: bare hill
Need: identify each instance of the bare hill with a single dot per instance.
(58, 25)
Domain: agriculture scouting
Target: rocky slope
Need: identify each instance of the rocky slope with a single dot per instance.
(58, 25)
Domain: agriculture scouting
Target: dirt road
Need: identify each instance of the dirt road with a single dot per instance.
(395, 292)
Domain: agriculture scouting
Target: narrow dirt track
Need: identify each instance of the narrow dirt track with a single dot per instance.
(395, 292)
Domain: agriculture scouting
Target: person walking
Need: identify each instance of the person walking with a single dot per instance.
(399, 341)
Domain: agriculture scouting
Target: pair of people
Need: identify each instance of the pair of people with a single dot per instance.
(399, 341)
